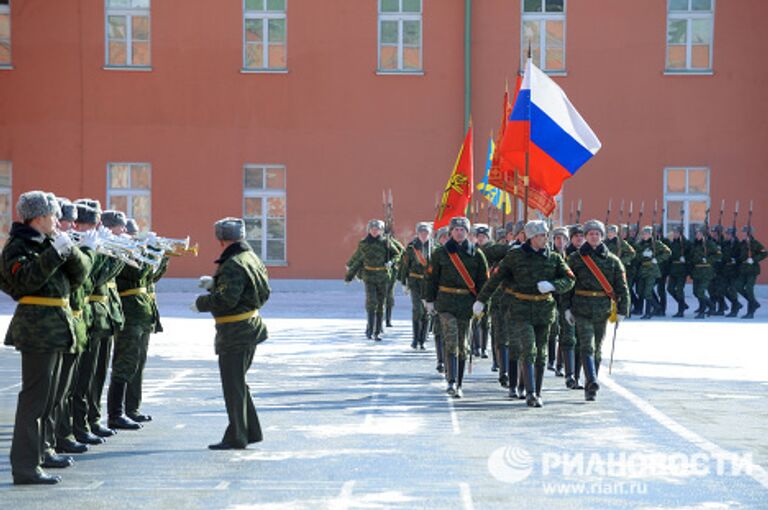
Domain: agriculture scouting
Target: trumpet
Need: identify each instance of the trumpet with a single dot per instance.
(119, 247)
(168, 245)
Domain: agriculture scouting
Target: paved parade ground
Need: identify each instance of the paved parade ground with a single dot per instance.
(681, 424)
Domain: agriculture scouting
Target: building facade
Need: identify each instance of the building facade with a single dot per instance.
(296, 114)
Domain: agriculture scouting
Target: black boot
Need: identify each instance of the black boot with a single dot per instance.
(423, 332)
(702, 310)
(512, 366)
(520, 381)
(115, 398)
(680, 309)
(569, 357)
(416, 333)
(559, 363)
(539, 373)
(751, 309)
(503, 378)
(577, 372)
(453, 369)
(530, 384)
(649, 309)
(719, 305)
(591, 387)
(389, 316)
(377, 329)
(460, 379)
(439, 352)
(369, 326)
(735, 307)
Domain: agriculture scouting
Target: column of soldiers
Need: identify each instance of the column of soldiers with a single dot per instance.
(73, 302)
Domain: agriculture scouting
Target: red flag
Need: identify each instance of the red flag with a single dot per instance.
(458, 191)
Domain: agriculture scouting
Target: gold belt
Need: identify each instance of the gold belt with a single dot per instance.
(416, 275)
(527, 297)
(703, 265)
(453, 290)
(375, 268)
(677, 262)
(590, 293)
(647, 263)
(224, 319)
(43, 301)
(133, 292)
(77, 314)
(111, 285)
(97, 298)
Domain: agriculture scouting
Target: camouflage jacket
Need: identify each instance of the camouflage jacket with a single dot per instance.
(679, 248)
(240, 286)
(106, 308)
(34, 268)
(596, 307)
(627, 254)
(494, 252)
(442, 273)
(750, 247)
(370, 260)
(138, 306)
(730, 260)
(412, 272)
(81, 308)
(158, 273)
(520, 271)
(646, 267)
(702, 255)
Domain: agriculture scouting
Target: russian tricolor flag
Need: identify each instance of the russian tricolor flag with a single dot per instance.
(544, 123)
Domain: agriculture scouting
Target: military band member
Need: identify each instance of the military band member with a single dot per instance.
(751, 252)
(454, 276)
(650, 252)
(600, 279)
(530, 274)
(238, 289)
(374, 260)
(413, 269)
(41, 267)
(679, 247)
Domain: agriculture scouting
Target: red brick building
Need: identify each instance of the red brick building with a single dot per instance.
(297, 113)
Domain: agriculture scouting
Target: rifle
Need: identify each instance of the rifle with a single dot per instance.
(735, 213)
(608, 212)
(570, 215)
(749, 232)
(578, 212)
(639, 219)
(720, 223)
(629, 219)
(653, 227)
(619, 245)
(389, 219)
(682, 226)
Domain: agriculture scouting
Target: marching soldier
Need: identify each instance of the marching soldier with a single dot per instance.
(389, 302)
(730, 251)
(678, 270)
(457, 270)
(618, 246)
(650, 252)
(568, 331)
(441, 237)
(238, 289)
(374, 260)
(559, 243)
(751, 252)
(40, 267)
(664, 268)
(413, 268)
(703, 253)
(600, 284)
(480, 326)
(530, 274)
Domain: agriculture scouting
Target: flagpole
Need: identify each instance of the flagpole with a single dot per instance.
(527, 153)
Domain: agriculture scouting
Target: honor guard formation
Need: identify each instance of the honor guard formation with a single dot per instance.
(84, 282)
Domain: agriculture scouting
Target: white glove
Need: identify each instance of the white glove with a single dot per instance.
(63, 244)
(477, 308)
(429, 307)
(654, 261)
(647, 253)
(544, 287)
(193, 306)
(569, 318)
(703, 260)
(750, 260)
(406, 290)
(389, 264)
(682, 259)
(206, 282)
(90, 239)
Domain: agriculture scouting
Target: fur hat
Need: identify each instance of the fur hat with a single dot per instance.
(612, 228)
(111, 219)
(459, 221)
(575, 230)
(37, 203)
(560, 231)
(442, 231)
(731, 230)
(595, 225)
(90, 202)
(230, 229)
(535, 227)
(678, 229)
(131, 227)
(68, 210)
(87, 214)
(647, 229)
(423, 226)
(501, 233)
(481, 228)
(518, 227)
(376, 224)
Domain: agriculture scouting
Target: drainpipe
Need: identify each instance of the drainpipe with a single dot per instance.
(467, 62)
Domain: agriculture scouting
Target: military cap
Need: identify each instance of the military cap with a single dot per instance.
(678, 229)
(594, 225)
(700, 229)
(37, 203)
(87, 214)
(501, 233)
(612, 228)
(560, 231)
(510, 226)
(131, 227)
(459, 221)
(730, 230)
(442, 231)
(68, 209)
(481, 228)
(519, 227)
(424, 226)
(375, 224)
(112, 218)
(229, 229)
(716, 228)
(746, 229)
(90, 202)
(647, 229)
(574, 230)
(535, 227)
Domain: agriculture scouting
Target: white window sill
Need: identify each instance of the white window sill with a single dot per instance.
(6, 67)
(145, 69)
(668, 72)
(556, 73)
(247, 70)
(276, 264)
(380, 72)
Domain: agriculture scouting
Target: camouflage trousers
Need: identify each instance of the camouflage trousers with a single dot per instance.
(700, 287)
(505, 334)
(375, 295)
(129, 347)
(745, 285)
(718, 285)
(389, 300)
(731, 288)
(533, 341)
(676, 287)
(567, 333)
(645, 285)
(417, 307)
(455, 334)
(590, 335)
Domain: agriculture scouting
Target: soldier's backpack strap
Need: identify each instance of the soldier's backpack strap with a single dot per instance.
(602, 280)
(459, 265)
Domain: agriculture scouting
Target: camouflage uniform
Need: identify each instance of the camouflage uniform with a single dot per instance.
(389, 301)
(729, 249)
(412, 273)
(751, 252)
(650, 253)
(500, 341)
(703, 253)
(678, 272)
(240, 289)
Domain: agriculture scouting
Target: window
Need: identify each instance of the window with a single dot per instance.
(690, 24)
(5, 33)
(6, 201)
(265, 36)
(264, 211)
(686, 198)
(129, 189)
(127, 31)
(400, 36)
(543, 27)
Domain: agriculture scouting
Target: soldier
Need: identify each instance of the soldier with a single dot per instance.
(389, 301)
(717, 285)
(441, 237)
(702, 254)
(457, 270)
(664, 269)
(619, 247)
(374, 260)
(480, 326)
(650, 252)
(238, 289)
(413, 268)
(559, 243)
(568, 330)
(40, 267)
(600, 284)
(678, 270)
(530, 274)
(730, 251)
(751, 252)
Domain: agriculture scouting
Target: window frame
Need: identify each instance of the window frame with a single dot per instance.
(128, 13)
(130, 191)
(8, 191)
(265, 194)
(542, 17)
(399, 17)
(685, 196)
(6, 9)
(264, 16)
(689, 16)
